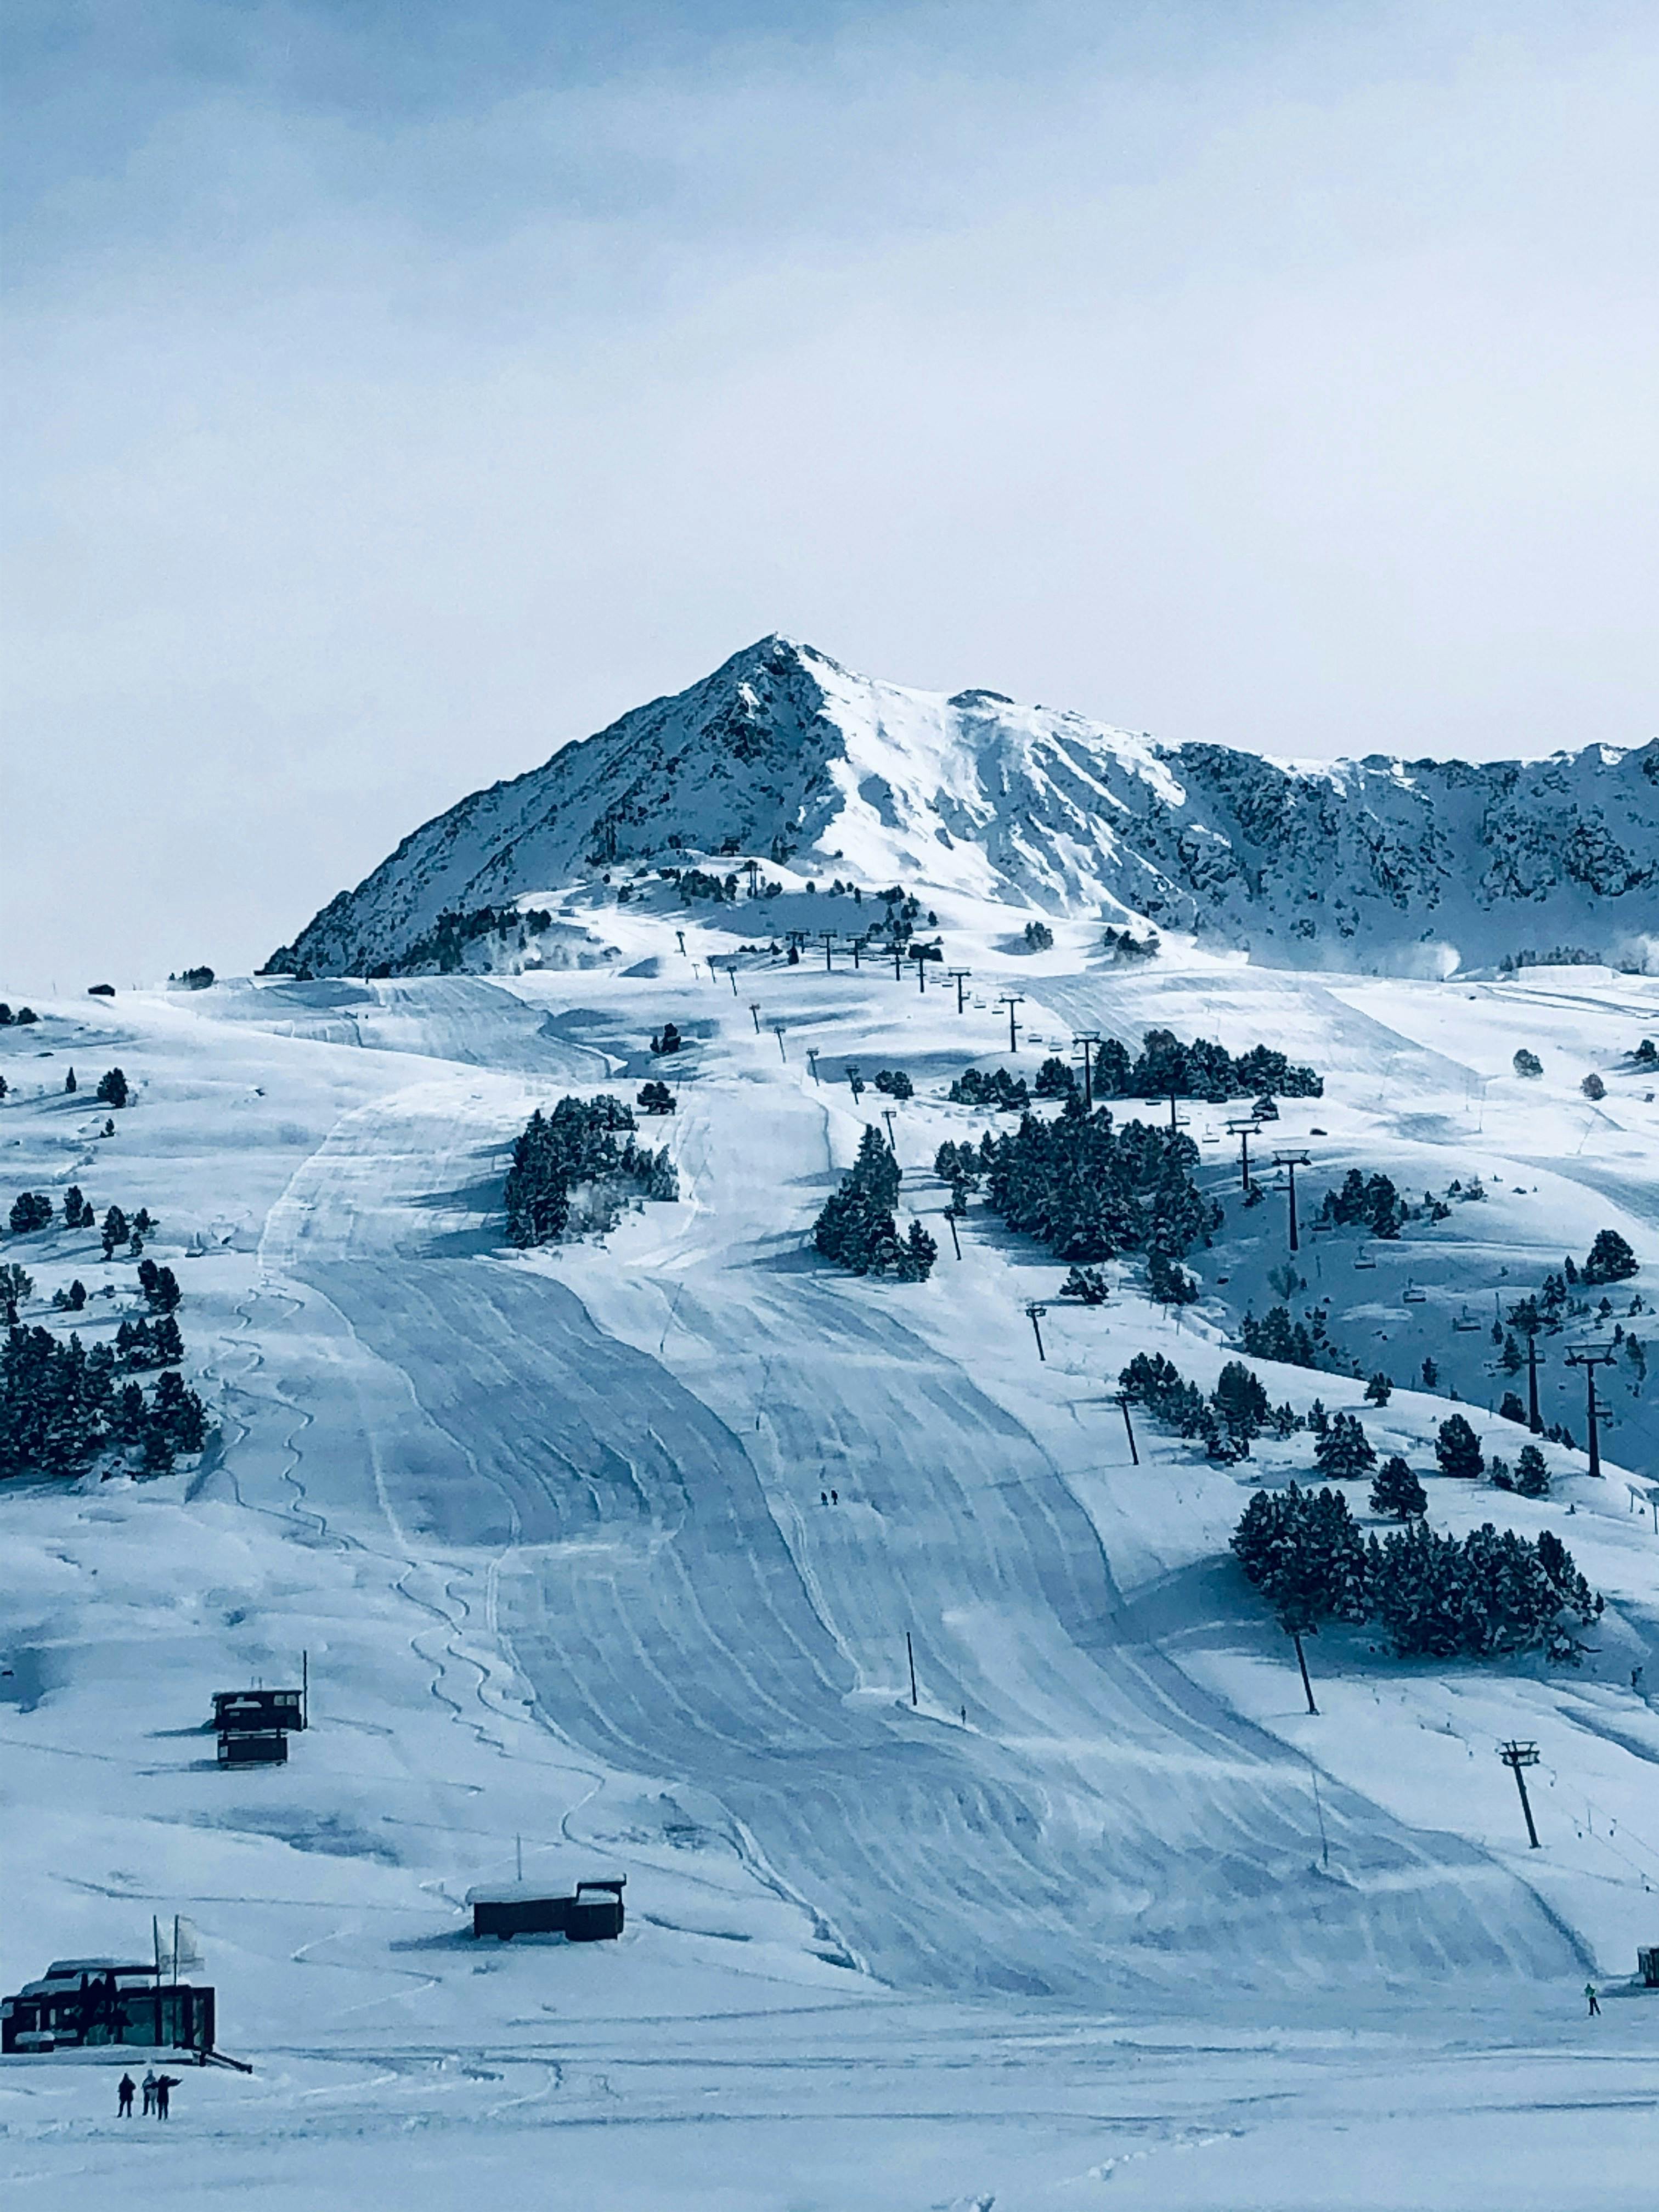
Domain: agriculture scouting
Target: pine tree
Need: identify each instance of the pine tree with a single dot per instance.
(1532, 1475)
(1397, 1491)
(1611, 1260)
(116, 1230)
(1344, 1453)
(69, 1082)
(1241, 1402)
(1378, 1390)
(112, 1089)
(1458, 1449)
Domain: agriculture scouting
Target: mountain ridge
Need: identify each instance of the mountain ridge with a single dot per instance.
(1418, 866)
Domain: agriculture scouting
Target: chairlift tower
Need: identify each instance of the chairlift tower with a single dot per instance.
(1589, 1357)
(1014, 999)
(827, 938)
(1291, 1162)
(1244, 1131)
(959, 976)
(1086, 1042)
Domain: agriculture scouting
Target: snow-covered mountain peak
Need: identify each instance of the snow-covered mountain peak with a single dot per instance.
(784, 754)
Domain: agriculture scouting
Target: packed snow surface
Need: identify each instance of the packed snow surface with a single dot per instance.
(1102, 1910)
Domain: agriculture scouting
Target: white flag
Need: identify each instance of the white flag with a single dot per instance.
(179, 1953)
(186, 1949)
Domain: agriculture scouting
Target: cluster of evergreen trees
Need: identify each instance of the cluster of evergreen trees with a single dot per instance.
(857, 1229)
(24, 1015)
(1224, 1424)
(1088, 1188)
(62, 1407)
(1366, 1202)
(1124, 945)
(31, 1211)
(1306, 1343)
(576, 1145)
(1166, 1068)
(1436, 1597)
(1006, 1093)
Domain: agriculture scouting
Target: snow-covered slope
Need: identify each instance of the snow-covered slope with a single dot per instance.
(1099, 1900)
(1405, 867)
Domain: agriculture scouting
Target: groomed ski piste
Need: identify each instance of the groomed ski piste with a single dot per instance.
(1104, 1915)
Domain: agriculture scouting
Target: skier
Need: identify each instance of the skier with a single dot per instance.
(150, 2092)
(1594, 2001)
(123, 2096)
(164, 2083)
(834, 1497)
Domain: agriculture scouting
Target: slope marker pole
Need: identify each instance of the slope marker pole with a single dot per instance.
(910, 1654)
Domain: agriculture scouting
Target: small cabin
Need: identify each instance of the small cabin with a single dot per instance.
(253, 1747)
(244, 1711)
(82, 2003)
(593, 1914)
(1647, 1964)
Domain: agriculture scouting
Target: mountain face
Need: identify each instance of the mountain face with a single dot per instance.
(1416, 866)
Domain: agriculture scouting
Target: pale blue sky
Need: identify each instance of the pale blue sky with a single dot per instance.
(400, 391)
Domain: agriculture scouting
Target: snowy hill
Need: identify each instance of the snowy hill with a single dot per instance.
(1096, 1897)
(1406, 867)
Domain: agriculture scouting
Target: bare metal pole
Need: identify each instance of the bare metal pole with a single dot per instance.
(1036, 1312)
(1302, 1662)
(1515, 1756)
(910, 1654)
(1129, 1427)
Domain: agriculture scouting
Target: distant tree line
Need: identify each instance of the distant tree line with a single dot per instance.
(577, 1146)
(1490, 1594)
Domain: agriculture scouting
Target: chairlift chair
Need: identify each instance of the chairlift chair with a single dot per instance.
(1414, 1294)
(1468, 1322)
(1363, 1258)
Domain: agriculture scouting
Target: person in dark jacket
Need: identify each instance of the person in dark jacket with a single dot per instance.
(123, 2096)
(164, 2085)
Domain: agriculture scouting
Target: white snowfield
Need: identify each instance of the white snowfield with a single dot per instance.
(1104, 1913)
